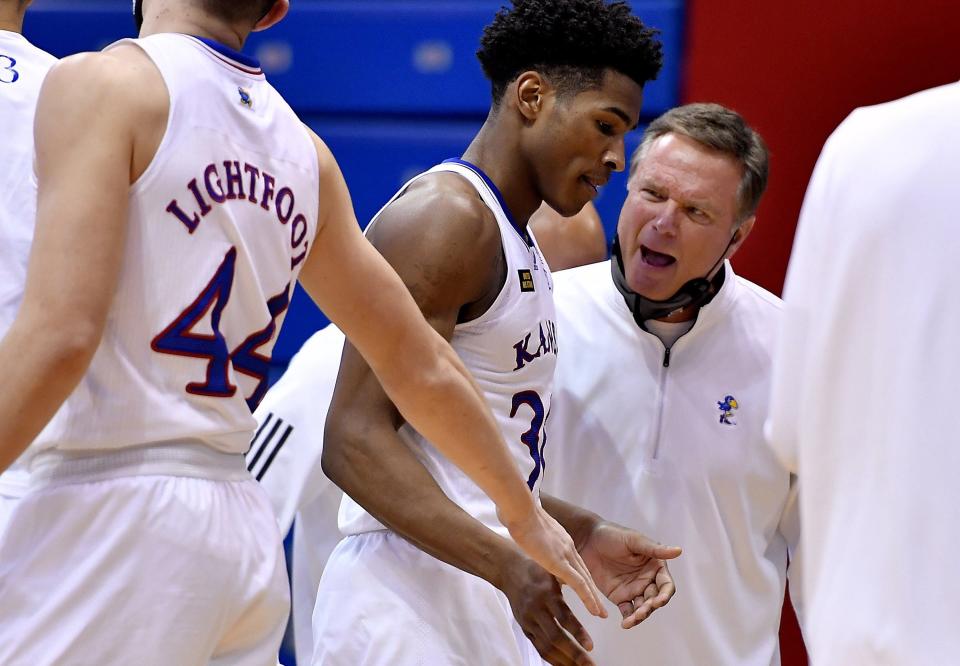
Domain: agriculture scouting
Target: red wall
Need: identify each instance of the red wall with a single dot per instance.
(795, 70)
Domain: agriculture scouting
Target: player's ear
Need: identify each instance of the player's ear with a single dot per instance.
(531, 92)
(273, 16)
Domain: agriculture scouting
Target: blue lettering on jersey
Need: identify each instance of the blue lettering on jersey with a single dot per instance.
(548, 345)
(211, 187)
(7, 72)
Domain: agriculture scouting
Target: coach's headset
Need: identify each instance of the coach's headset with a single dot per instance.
(694, 293)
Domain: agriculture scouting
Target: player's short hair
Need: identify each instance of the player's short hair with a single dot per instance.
(238, 11)
(571, 42)
(723, 130)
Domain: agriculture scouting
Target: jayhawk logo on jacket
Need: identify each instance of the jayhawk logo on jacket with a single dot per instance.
(727, 405)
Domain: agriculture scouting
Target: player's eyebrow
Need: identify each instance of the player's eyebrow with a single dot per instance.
(617, 111)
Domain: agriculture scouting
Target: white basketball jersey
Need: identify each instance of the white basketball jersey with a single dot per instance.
(511, 352)
(22, 70)
(218, 228)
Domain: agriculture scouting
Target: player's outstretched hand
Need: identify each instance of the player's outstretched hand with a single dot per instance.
(630, 569)
(537, 603)
(548, 544)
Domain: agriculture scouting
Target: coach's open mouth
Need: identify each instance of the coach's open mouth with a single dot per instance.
(654, 258)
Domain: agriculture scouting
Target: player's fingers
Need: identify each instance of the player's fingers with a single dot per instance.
(630, 590)
(575, 575)
(666, 588)
(640, 613)
(565, 617)
(562, 647)
(553, 653)
(643, 607)
(642, 545)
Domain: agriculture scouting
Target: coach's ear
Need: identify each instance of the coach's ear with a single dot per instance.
(740, 235)
(273, 16)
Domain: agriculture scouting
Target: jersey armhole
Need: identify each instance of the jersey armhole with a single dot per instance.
(488, 316)
(152, 168)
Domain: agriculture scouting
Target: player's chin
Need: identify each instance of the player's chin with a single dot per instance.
(571, 204)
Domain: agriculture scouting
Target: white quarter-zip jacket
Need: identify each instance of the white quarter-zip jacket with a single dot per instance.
(670, 442)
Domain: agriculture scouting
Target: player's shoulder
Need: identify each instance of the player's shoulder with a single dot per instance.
(942, 100)
(123, 75)
(447, 195)
(881, 129)
(442, 208)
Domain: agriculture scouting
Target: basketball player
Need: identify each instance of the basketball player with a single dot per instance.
(284, 455)
(178, 199)
(22, 68)
(567, 79)
(865, 386)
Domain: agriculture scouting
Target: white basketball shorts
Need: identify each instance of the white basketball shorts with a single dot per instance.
(383, 602)
(108, 561)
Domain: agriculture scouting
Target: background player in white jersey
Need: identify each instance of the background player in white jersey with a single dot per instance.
(178, 199)
(662, 392)
(567, 79)
(22, 69)
(865, 386)
(284, 455)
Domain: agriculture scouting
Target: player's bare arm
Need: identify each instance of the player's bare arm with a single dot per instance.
(418, 369)
(629, 568)
(88, 153)
(440, 237)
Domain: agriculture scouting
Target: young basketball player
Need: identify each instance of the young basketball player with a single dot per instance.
(22, 69)
(284, 455)
(178, 199)
(567, 79)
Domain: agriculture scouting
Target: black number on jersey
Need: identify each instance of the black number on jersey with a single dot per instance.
(180, 338)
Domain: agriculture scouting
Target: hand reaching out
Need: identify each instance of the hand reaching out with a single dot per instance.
(630, 570)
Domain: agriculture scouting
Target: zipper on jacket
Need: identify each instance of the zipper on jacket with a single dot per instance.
(663, 385)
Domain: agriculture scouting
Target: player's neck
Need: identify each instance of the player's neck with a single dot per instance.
(494, 150)
(198, 26)
(11, 18)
